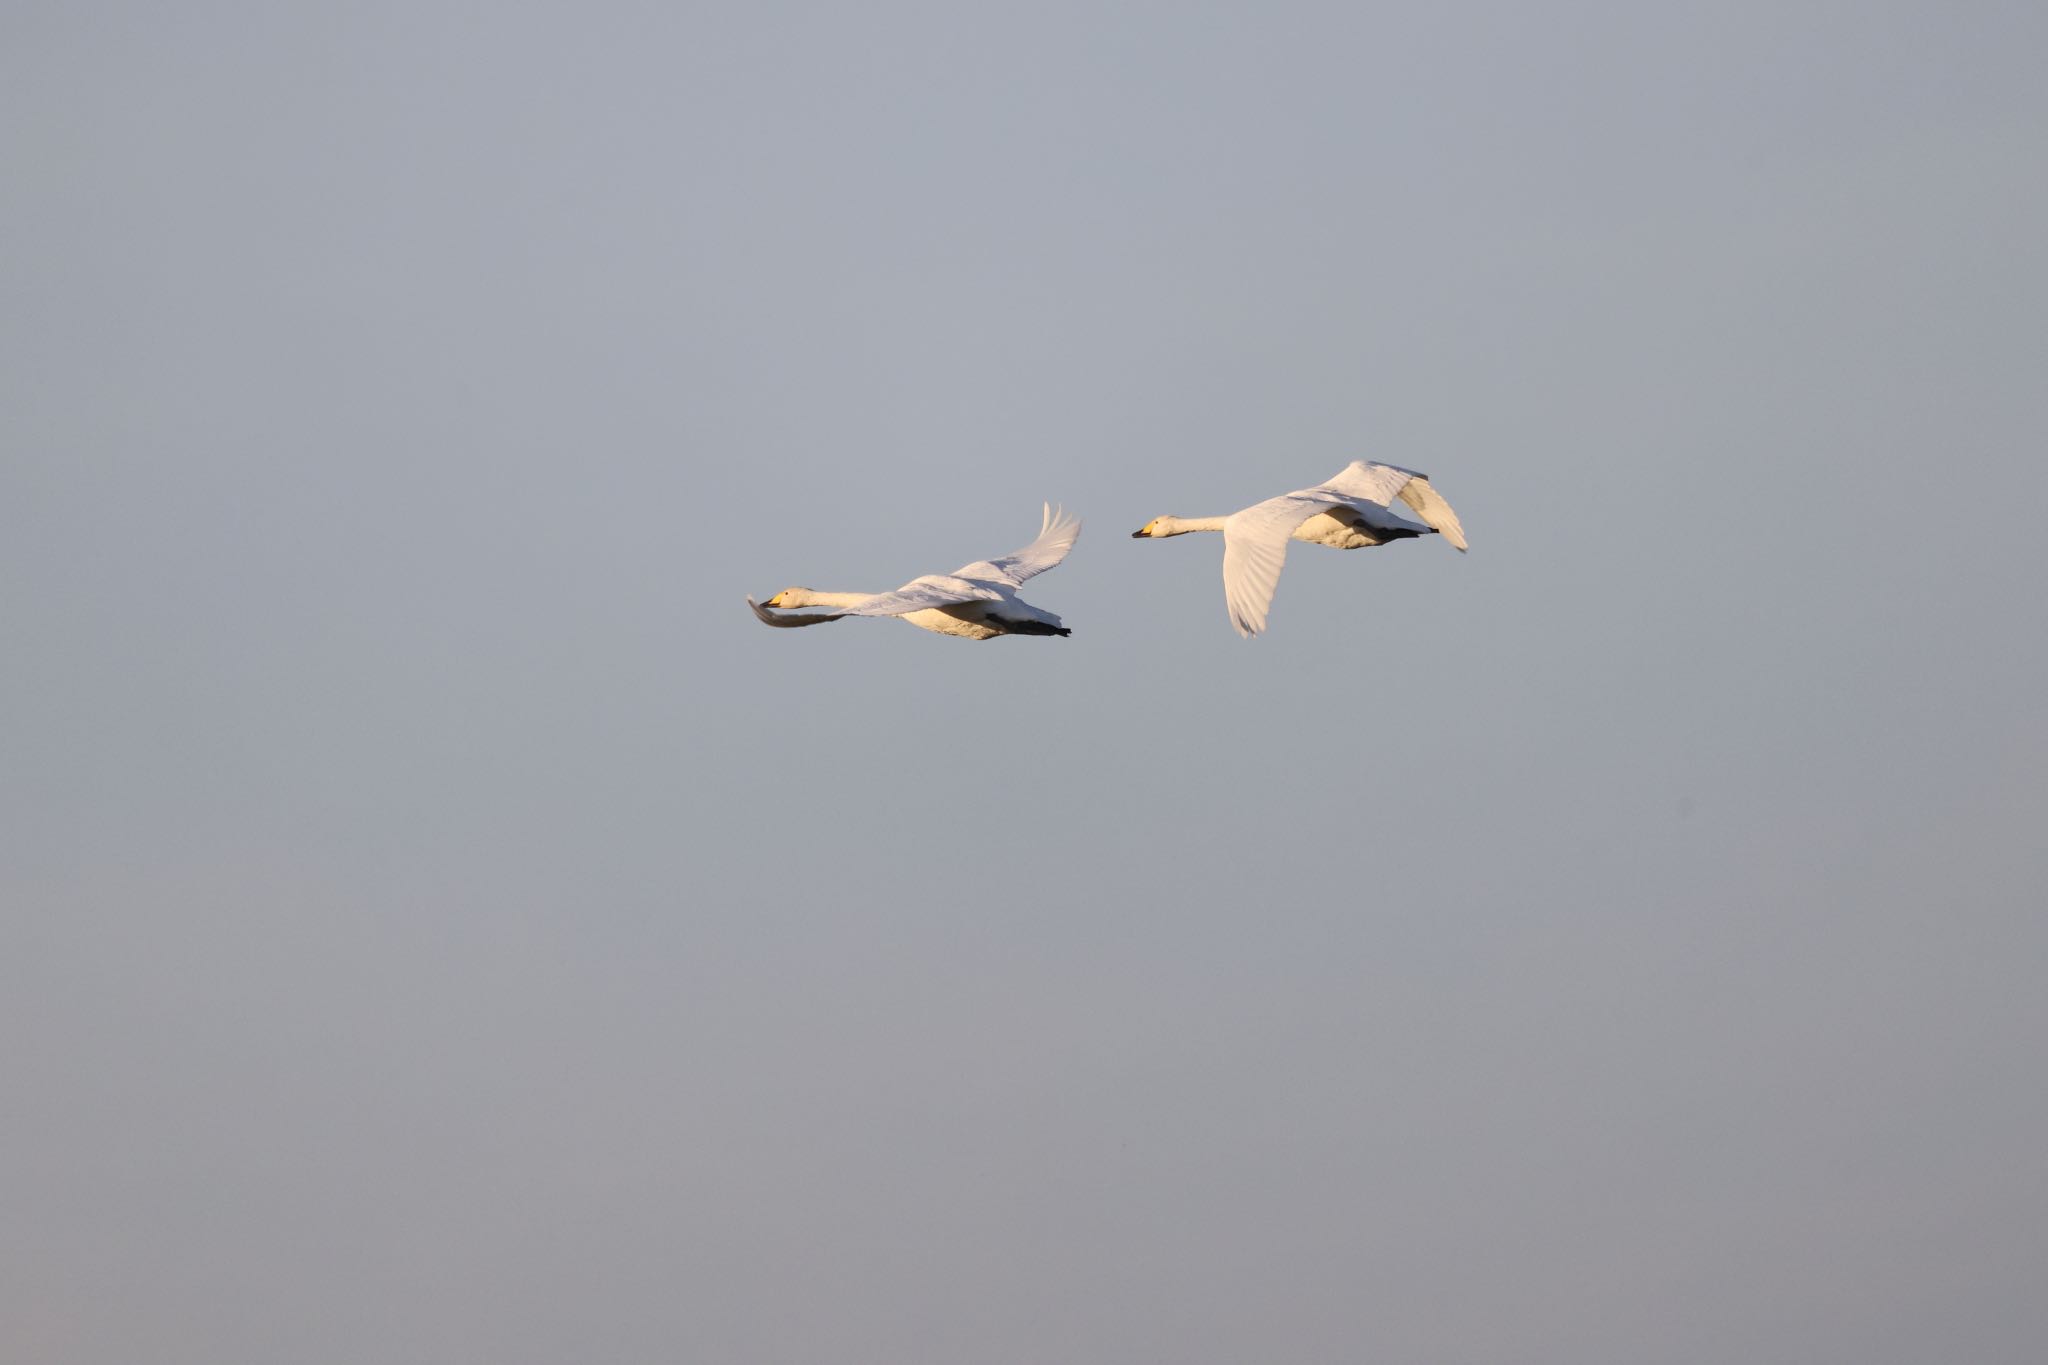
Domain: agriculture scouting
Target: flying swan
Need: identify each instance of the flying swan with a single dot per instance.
(978, 600)
(1348, 512)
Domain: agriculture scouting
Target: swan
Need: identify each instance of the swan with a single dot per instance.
(978, 600)
(1348, 512)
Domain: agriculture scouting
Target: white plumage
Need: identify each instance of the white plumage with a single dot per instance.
(978, 600)
(1348, 512)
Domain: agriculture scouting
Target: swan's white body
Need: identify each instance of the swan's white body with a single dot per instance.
(1348, 512)
(978, 601)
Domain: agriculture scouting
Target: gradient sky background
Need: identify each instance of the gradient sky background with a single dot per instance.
(440, 925)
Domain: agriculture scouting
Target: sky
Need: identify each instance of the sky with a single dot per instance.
(439, 924)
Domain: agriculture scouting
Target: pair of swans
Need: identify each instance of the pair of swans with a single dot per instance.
(979, 601)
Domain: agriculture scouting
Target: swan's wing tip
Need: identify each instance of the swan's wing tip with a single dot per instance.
(1057, 532)
(1419, 493)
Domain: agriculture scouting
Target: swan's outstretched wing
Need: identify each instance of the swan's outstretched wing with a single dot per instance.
(1056, 535)
(1367, 482)
(1382, 483)
(1255, 547)
(789, 618)
(985, 580)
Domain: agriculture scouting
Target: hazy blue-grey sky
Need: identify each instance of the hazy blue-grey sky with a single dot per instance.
(438, 924)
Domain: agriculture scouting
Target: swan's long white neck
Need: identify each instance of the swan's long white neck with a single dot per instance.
(806, 597)
(1179, 526)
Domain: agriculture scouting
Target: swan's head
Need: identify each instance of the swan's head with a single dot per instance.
(1158, 526)
(789, 597)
